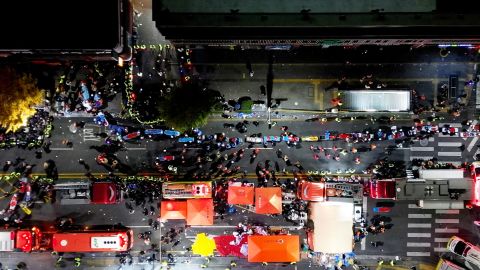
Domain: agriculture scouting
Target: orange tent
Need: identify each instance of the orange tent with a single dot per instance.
(240, 195)
(268, 200)
(200, 212)
(173, 210)
(273, 248)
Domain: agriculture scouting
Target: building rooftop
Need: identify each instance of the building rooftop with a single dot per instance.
(60, 25)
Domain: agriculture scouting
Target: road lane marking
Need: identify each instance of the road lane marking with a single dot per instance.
(419, 225)
(472, 144)
(412, 205)
(422, 149)
(448, 135)
(450, 144)
(440, 249)
(363, 242)
(447, 211)
(61, 149)
(418, 254)
(457, 125)
(449, 154)
(442, 240)
(446, 230)
(431, 139)
(456, 163)
(447, 220)
(420, 235)
(414, 244)
(138, 148)
(139, 226)
(419, 215)
(421, 157)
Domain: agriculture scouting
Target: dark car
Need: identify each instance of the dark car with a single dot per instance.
(241, 127)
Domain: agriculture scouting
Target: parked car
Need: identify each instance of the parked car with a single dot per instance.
(186, 140)
(172, 133)
(166, 158)
(254, 139)
(310, 139)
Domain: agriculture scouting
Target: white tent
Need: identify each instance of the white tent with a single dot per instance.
(333, 221)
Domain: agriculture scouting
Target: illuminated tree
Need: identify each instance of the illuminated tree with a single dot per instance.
(18, 94)
(187, 107)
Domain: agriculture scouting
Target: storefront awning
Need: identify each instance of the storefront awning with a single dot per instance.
(273, 248)
(173, 210)
(268, 200)
(240, 195)
(200, 212)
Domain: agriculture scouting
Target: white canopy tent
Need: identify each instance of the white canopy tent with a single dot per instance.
(333, 221)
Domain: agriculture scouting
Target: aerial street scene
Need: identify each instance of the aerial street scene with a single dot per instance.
(225, 135)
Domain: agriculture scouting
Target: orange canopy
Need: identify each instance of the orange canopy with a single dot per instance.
(240, 195)
(273, 248)
(173, 210)
(200, 212)
(268, 200)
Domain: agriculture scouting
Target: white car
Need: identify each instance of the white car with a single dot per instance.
(254, 139)
(470, 252)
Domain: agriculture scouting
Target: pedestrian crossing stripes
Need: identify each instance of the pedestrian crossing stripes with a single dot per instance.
(430, 230)
(419, 235)
(447, 211)
(440, 249)
(449, 144)
(419, 215)
(418, 254)
(456, 135)
(449, 154)
(422, 149)
(421, 157)
(447, 220)
(419, 225)
(410, 244)
(441, 240)
(410, 174)
(446, 230)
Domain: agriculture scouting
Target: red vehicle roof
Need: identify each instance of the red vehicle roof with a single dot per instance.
(311, 191)
(104, 193)
(92, 241)
(383, 189)
(23, 240)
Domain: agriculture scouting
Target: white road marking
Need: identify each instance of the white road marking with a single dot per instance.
(419, 215)
(457, 125)
(412, 205)
(446, 230)
(419, 225)
(422, 149)
(431, 139)
(61, 149)
(421, 157)
(447, 211)
(137, 148)
(440, 249)
(456, 163)
(414, 244)
(420, 235)
(441, 240)
(139, 226)
(472, 144)
(449, 154)
(363, 242)
(456, 135)
(418, 254)
(450, 144)
(447, 220)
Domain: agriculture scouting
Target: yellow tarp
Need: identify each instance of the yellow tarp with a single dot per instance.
(203, 245)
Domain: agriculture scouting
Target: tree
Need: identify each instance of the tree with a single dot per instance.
(187, 107)
(18, 94)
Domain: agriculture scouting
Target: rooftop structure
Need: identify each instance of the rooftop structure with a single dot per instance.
(317, 23)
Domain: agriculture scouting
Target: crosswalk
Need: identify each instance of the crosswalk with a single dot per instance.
(429, 233)
(445, 148)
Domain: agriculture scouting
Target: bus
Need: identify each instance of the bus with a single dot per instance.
(187, 190)
(118, 240)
